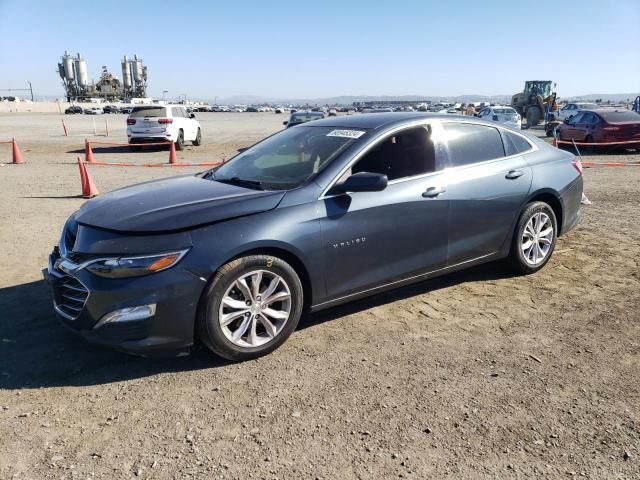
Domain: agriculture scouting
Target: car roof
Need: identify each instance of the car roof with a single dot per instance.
(386, 119)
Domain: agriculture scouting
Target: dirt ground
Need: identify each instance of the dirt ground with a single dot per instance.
(474, 375)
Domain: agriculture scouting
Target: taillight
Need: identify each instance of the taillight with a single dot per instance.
(165, 120)
(577, 164)
(131, 121)
(611, 129)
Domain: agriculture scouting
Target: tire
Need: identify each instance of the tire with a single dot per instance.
(180, 140)
(533, 117)
(525, 260)
(198, 141)
(246, 314)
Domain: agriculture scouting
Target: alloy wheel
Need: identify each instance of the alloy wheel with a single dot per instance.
(255, 308)
(537, 238)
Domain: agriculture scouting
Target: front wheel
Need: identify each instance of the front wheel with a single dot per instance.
(250, 308)
(534, 238)
(533, 117)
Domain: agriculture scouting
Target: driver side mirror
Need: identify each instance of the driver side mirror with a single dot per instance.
(566, 121)
(361, 182)
(192, 115)
(285, 123)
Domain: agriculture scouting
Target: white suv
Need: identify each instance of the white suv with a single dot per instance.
(169, 123)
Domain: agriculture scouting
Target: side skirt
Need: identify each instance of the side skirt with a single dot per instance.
(407, 281)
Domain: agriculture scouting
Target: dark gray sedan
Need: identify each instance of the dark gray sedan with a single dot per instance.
(313, 216)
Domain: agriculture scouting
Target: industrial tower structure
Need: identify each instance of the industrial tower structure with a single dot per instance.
(73, 72)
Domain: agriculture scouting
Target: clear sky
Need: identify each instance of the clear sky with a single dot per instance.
(310, 49)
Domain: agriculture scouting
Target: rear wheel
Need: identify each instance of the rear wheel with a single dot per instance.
(180, 140)
(589, 148)
(251, 307)
(533, 117)
(534, 238)
(198, 141)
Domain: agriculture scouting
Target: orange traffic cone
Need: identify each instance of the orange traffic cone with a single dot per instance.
(17, 156)
(172, 154)
(89, 189)
(88, 154)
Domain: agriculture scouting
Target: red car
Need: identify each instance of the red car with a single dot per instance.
(602, 126)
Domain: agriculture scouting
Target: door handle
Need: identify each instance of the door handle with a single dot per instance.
(513, 174)
(433, 192)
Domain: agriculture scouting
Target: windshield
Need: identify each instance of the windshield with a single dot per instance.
(305, 117)
(148, 112)
(504, 110)
(287, 159)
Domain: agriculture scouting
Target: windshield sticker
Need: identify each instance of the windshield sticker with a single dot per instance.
(346, 133)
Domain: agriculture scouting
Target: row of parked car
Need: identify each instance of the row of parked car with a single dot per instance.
(76, 109)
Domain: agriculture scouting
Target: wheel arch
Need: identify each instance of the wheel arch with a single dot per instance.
(279, 251)
(548, 196)
(552, 199)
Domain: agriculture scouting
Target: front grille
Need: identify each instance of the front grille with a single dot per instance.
(71, 296)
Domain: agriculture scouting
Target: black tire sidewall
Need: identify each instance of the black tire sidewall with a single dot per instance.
(198, 139)
(516, 257)
(180, 140)
(210, 330)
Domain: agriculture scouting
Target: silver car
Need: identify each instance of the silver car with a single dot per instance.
(502, 114)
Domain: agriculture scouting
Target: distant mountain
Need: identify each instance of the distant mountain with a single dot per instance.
(613, 97)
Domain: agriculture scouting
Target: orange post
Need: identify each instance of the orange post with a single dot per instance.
(17, 155)
(172, 154)
(64, 127)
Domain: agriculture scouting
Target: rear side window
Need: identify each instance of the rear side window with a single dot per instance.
(514, 144)
(139, 112)
(469, 143)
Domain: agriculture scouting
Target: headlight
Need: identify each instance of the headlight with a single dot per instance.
(135, 266)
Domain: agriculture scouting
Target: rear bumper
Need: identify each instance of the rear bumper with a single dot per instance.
(571, 199)
(150, 137)
(168, 332)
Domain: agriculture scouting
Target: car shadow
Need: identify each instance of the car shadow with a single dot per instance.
(139, 147)
(37, 352)
(491, 271)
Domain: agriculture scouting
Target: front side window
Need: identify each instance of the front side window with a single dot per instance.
(578, 118)
(469, 143)
(287, 159)
(404, 154)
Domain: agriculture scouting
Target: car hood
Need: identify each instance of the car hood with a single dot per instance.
(173, 204)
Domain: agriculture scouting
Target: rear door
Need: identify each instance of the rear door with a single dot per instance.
(180, 121)
(485, 188)
(146, 119)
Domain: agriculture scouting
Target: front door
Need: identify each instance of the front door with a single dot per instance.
(374, 238)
